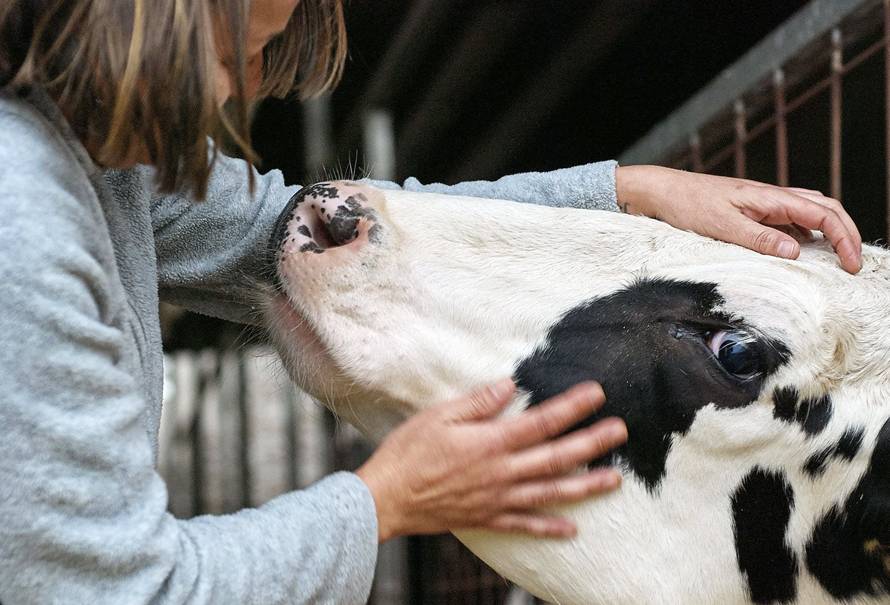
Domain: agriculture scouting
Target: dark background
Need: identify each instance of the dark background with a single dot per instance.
(486, 88)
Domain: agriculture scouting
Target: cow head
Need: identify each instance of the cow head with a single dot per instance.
(755, 389)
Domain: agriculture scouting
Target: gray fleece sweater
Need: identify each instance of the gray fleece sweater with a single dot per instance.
(85, 256)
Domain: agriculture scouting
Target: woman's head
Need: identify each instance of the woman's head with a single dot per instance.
(143, 80)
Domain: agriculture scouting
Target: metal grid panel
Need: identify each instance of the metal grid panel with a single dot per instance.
(796, 73)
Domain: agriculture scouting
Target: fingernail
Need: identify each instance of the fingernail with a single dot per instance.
(786, 249)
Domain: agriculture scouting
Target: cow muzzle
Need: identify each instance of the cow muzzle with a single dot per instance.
(325, 223)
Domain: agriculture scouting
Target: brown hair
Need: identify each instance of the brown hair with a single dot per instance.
(138, 75)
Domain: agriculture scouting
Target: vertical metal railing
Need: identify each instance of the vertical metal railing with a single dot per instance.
(814, 53)
(781, 128)
(887, 110)
(837, 68)
(741, 138)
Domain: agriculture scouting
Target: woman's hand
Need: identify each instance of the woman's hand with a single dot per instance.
(460, 465)
(738, 211)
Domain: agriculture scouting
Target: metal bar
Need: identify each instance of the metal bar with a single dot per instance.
(865, 54)
(741, 136)
(815, 19)
(781, 129)
(807, 95)
(317, 137)
(379, 142)
(887, 109)
(244, 434)
(837, 65)
(404, 57)
(756, 132)
(695, 153)
(293, 454)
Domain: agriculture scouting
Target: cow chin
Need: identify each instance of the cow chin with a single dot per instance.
(310, 364)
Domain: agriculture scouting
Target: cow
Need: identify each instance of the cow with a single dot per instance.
(756, 390)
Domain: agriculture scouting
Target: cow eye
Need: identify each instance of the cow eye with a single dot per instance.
(737, 351)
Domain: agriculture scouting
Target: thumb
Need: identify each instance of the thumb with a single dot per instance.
(482, 403)
(767, 240)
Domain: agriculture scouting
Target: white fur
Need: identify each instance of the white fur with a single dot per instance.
(459, 290)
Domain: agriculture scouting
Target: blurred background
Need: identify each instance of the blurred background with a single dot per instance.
(784, 91)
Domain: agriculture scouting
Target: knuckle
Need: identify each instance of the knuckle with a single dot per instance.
(541, 495)
(545, 424)
(598, 444)
(762, 239)
(496, 440)
(552, 493)
(556, 462)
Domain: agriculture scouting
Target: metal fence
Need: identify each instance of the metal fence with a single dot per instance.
(803, 105)
(235, 433)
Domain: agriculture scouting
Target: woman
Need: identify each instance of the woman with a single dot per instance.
(105, 111)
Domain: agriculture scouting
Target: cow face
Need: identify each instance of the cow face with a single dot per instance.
(755, 390)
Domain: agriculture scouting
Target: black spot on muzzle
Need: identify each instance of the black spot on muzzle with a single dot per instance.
(279, 232)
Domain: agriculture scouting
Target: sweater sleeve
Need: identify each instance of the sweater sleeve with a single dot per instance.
(83, 510)
(211, 255)
(590, 186)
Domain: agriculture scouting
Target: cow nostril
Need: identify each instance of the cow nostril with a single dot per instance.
(331, 227)
(342, 229)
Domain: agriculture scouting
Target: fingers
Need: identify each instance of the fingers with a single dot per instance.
(542, 526)
(768, 240)
(818, 198)
(536, 494)
(845, 240)
(554, 416)
(801, 209)
(558, 457)
(484, 402)
(571, 488)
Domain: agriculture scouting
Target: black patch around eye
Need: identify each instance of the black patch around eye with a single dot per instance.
(838, 553)
(645, 345)
(761, 509)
